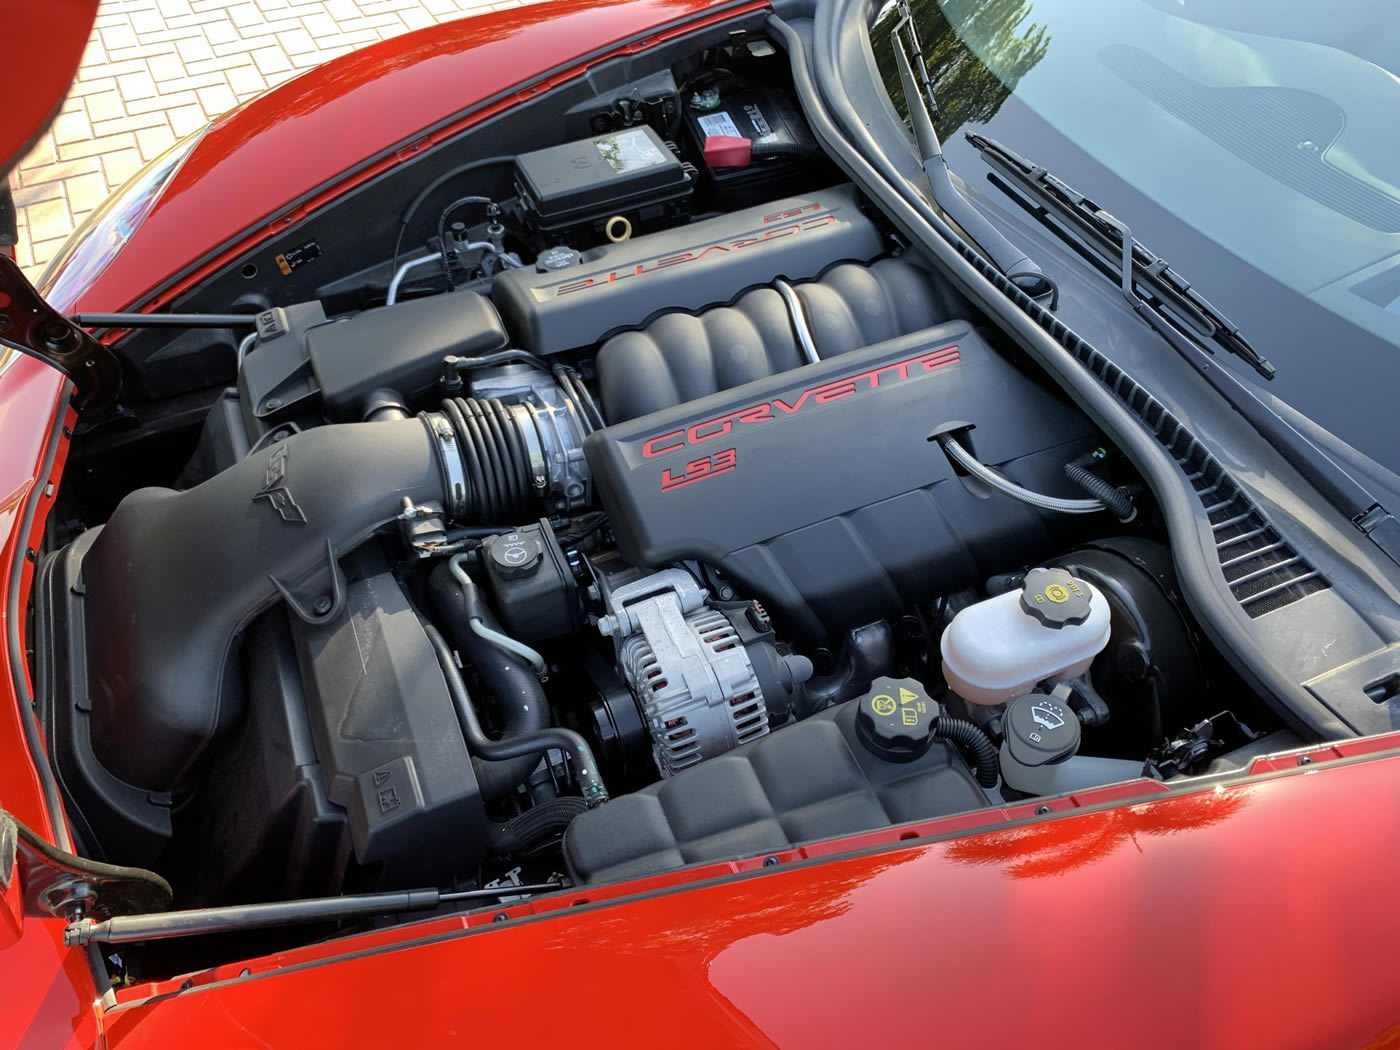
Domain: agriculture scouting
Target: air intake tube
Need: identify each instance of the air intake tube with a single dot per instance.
(174, 578)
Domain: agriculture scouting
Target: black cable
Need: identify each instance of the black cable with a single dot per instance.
(536, 743)
(572, 538)
(574, 386)
(1119, 503)
(1054, 292)
(460, 202)
(975, 745)
(413, 206)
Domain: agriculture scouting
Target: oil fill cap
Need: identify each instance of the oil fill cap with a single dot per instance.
(895, 719)
(1055, 598)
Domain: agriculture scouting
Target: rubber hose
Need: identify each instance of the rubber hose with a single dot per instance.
(513, 688)
(532, 744)
(975, 746)
(535, 825)
(493, 454)
(1119, 504)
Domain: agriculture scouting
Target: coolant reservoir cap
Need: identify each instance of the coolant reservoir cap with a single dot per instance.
(895, 719)
(1040, 729)
(1055, 598)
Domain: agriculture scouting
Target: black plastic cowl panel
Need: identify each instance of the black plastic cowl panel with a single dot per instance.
(819, 492)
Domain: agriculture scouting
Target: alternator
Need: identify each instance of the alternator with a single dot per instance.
(688, 668)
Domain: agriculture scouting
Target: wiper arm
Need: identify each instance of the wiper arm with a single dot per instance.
(1109, 243)
(1156, 292)
(1007, 258)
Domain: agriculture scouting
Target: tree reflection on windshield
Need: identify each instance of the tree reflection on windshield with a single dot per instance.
(967, 89)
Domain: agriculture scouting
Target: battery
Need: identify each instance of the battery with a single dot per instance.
(631, 172)
(785, 153)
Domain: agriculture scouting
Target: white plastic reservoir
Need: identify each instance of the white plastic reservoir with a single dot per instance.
(998, 649)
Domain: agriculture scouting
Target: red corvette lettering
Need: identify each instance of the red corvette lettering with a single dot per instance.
(766, 411)
(694, 435)
(650, 449)
(720, 248)
(700, 469)
(779, 216)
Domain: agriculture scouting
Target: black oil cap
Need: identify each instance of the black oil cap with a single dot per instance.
(1040, 730)
(1055, 598)
(895, 719)
(514, 554)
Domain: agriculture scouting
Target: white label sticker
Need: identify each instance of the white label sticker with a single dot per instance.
(629, 151)
(720, 123)
(756, 118)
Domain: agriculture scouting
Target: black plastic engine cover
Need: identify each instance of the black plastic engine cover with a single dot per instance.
(818, 491)
(690, 267)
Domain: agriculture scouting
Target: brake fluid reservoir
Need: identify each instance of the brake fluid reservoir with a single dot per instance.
(998, 649)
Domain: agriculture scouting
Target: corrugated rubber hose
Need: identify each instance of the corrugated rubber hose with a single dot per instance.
(536, 825)
(974, 744)
(1118, 503)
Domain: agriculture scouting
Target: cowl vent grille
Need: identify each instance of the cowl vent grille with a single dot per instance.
(1263, 572)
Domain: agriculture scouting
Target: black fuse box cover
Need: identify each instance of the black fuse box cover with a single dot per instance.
(593, 178)
(804, 782)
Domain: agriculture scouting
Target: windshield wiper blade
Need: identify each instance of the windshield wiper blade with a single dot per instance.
(1105, 240)
(1156, 292)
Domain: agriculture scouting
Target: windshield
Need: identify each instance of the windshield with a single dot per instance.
(1255, 144)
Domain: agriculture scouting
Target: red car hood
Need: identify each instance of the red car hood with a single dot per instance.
(45, 43)
(1251, 914)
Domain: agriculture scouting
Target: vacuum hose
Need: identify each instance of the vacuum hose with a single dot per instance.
(974, 744)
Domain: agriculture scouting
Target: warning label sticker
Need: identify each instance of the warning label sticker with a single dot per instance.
(720, 123)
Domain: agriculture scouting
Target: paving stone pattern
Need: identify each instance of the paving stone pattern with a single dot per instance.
(155, 70)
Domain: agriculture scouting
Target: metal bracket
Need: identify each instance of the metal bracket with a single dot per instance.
(31, 326)
(55, 883)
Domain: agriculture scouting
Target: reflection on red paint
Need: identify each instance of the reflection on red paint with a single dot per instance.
(1053, 848)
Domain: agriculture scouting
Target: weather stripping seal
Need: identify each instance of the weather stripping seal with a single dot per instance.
(24, 699)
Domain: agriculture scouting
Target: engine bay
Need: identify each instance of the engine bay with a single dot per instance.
(652, 502)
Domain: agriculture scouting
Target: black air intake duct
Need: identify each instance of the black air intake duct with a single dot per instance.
(175, 577)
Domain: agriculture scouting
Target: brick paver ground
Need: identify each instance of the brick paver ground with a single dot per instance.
(158, 69)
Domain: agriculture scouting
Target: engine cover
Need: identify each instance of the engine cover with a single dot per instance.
(819, 491)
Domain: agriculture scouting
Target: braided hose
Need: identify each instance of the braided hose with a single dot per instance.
(1007, 487)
